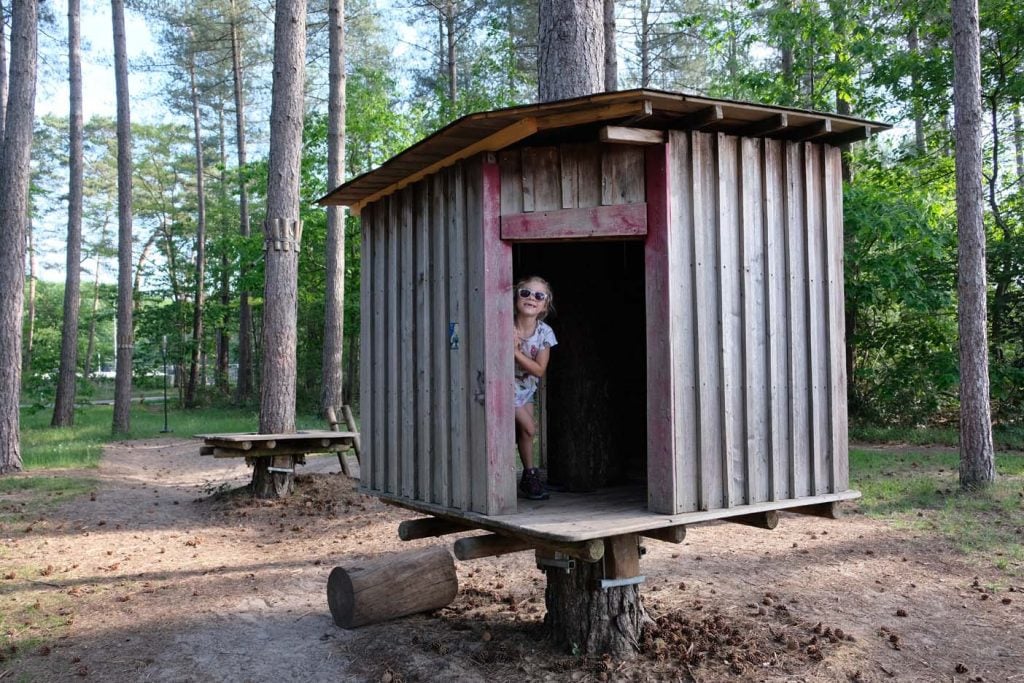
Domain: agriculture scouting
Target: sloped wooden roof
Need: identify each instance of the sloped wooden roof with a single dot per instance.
(655, 109)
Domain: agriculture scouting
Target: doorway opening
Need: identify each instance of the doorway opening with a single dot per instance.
(593, 401)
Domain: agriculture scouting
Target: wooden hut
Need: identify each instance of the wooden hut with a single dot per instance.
(695, 249)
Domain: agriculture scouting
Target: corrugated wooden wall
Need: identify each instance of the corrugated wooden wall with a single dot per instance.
(752, 407)
(436, 375)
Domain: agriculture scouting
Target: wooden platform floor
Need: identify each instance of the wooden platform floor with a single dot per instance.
(574, 517)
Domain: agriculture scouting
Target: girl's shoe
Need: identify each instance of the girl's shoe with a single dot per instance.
(531, 487)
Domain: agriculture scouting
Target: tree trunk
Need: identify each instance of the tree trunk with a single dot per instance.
(199, 299)
(64, 403)
(125, 328)
(30, 343)
(15, 151)
(223, 338)
(244, 389)
(3, 74)
(915, 104)
(334, 296)
(570, 57)
(645, 43)
(139, 265)
(977, 462)
(585, 618)
(453, 73)
(1018, 145)
(611, 59)
(282, 237)
(90, 347)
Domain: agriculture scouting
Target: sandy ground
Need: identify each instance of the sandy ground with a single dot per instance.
(159, 580)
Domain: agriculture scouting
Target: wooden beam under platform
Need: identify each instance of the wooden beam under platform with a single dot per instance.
(429, 527)
(762, 520)
(827, 510)
(491, 545)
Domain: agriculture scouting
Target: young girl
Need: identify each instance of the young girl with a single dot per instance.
(533, 341)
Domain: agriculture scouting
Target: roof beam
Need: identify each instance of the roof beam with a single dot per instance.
(508, 135)
(611, 111)
(810, 131)
(765, 127)
(855, 135)
(702, 118)
(624, 135)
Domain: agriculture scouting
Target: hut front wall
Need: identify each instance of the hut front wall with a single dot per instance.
(434, 366)
(745, 268)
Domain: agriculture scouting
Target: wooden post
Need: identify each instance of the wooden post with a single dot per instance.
(392, 586)
(332, 421)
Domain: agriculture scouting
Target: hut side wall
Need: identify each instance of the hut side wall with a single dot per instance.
(752, 308)
(435, 373)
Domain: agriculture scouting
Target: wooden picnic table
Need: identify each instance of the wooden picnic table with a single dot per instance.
(301, 443)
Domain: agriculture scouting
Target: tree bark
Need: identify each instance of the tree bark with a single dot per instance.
(334, 296)
(3, 76)
(30, 343)
(64, 403)
(223, 338)
(587, 619)
(977, 462)
(611, 59)
(199, 297)
(125, 326)
(90, 347)
(282, 237)
(15, 151)
(244, 389)
(570, 58)
(453, 72)
(914, 47)
(1018, 145)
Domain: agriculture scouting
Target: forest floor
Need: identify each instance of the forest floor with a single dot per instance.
(155, 574)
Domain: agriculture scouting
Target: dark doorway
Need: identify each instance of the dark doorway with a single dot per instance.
(597, 378)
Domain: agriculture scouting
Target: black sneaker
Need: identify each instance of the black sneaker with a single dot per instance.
(531, 487)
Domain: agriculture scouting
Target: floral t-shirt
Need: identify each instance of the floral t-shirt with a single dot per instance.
(526, 384)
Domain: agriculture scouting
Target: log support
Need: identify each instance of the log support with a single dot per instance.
(827, 510)
(669, 534)
(429, 527)
(761, 520)
(491, 545)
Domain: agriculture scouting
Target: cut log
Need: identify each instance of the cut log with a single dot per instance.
(491, 545)
(669, 534)
(429, 527)
(761, 520)
(827, 510)
(392, 586)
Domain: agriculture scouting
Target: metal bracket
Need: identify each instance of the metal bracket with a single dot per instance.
(604, 584)
(566, 564)
(284, 470)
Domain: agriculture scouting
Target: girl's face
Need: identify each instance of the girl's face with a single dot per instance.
(535, 301)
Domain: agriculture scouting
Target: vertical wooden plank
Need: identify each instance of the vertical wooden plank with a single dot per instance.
(662, 458)
(407, 345)
(423, 311)
(776, 315)
(542, 181)
(380, 345)
(686, 447)
(755, 332)
(833, 195)
(475, 338)
(569, 168)
(622, 174)
(818, 312)
(588, 170)
(511, 181)
(393, 289)
(496, 478)
(709, 369)
(730, 268)
(367, 356)
(440, 410)
(459, 340)
(799, 353)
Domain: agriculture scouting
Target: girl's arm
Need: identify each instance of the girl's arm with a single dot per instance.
(536, 367)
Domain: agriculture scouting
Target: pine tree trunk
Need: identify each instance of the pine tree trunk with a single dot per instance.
(282, 237)
(977, 463)
(64, 404)
(584, 618)
(453, 85)
(244, 389)
(334, 296)
(3, 77)
(14, 182)
(223, 338)
(125, 329)
(90, 347)
(570, 57)
(199, 297)
(1018, 145)
(30, 342)
(913, 46)
(611, 59)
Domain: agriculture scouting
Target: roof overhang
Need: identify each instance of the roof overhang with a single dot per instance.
(654, 109)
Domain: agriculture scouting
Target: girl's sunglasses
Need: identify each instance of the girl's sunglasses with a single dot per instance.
(525, 293)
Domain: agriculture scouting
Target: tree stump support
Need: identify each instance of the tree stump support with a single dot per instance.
(392, 586)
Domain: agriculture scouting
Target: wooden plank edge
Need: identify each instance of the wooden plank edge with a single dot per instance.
(492, 545)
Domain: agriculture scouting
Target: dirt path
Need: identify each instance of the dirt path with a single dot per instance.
(160, 581)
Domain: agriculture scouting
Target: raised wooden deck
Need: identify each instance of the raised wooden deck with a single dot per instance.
(577, 517)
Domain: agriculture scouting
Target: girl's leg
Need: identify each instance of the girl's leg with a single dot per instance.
(525, 429)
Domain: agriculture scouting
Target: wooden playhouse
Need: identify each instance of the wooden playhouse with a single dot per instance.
(695, 250)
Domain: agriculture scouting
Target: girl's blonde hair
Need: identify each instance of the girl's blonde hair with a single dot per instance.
(550, 308)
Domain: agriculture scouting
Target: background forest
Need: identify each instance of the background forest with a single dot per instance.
(412, 67)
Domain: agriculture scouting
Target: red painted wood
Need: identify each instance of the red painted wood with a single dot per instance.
(661, 465)
(498, 372)
(598, 222)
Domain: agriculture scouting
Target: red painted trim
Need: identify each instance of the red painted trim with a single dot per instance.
(661, 465)
(598, 222)
(498, 371)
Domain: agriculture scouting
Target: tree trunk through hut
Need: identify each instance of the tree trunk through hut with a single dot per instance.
(585, 618)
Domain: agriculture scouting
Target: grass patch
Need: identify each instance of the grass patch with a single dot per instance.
(1003, 438)
(921, 491)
